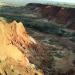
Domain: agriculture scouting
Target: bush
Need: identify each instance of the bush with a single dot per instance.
(73, 39)
(50, 28)
(73, 34)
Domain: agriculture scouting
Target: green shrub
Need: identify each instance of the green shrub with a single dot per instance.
(73, 34)
(53, 41)
(73, 39)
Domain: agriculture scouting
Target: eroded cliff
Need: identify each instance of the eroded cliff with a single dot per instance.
(60, 15)
(56, 14)
(14, 41)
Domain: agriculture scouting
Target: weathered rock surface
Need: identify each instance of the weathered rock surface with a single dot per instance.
(13, 41)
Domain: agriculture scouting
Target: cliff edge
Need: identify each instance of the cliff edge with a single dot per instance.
(13, 41)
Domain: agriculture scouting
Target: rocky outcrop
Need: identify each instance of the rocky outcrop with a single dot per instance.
(49, 11)
(14, 41)
(55, 13)
(60, 15)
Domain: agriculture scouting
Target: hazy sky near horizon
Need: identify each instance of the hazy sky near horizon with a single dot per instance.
(23, 2)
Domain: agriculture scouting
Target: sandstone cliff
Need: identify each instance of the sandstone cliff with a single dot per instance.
(13, 41)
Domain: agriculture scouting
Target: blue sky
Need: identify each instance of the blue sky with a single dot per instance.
(23, 2)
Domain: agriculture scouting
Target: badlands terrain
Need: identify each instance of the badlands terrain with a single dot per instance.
(37, 39)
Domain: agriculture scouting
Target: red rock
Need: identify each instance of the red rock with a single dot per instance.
(49, 11)
(62, 16)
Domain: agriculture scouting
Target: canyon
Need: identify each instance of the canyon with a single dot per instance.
(37, 39)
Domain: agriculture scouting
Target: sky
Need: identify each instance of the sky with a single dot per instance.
(23, 2)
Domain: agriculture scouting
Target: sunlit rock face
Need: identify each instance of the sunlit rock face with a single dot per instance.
(19, 35)
(15, 34)
(13, 41)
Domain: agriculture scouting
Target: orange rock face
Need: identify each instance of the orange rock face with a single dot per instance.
(14, 40)
(19, 35)
(13, 36)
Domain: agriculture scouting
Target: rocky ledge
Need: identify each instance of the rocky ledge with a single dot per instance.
(14, 42)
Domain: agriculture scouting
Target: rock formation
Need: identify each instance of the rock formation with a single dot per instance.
(60, 15)
(57, 14)
(13, 41)
(49, 11)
